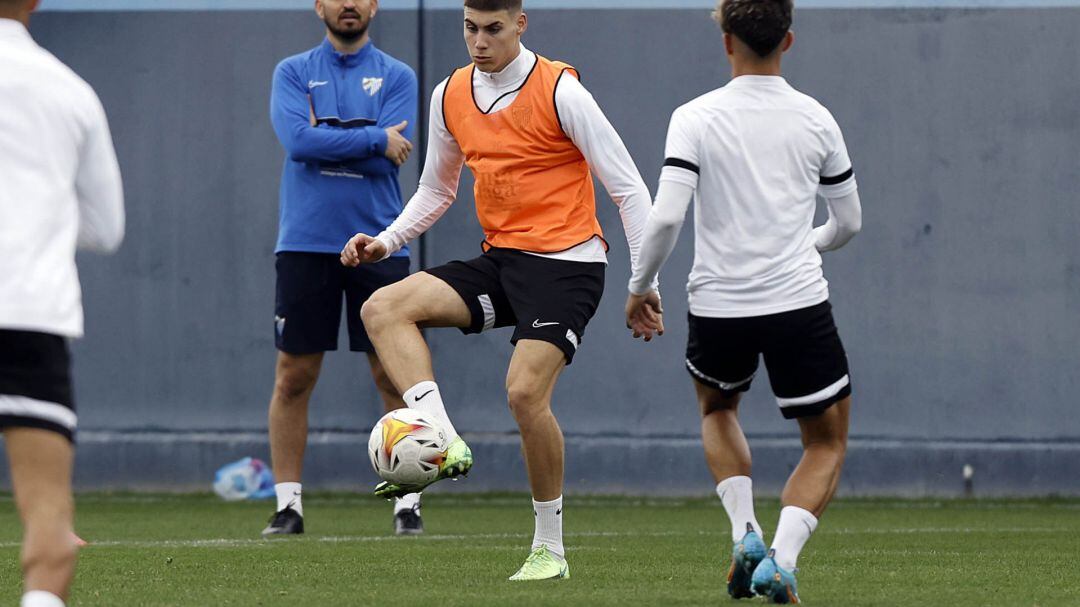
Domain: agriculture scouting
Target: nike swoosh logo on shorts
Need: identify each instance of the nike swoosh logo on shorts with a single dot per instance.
(419, 398)
(537, 324)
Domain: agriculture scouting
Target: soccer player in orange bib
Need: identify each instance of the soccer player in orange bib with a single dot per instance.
(530, 133)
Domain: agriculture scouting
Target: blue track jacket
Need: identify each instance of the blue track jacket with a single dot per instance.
(336, 180)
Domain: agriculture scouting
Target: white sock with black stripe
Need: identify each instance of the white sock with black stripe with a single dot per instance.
(548, 530)
(290, 495)
(425, 397)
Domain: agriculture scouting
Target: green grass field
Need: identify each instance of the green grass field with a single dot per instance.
(197, 550)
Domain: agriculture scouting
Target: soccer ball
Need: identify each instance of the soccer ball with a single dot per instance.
(407, 447)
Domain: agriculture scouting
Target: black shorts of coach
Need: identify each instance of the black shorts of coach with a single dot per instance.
(310, 289)
(35, 382)
(543, 299)
(808, 369)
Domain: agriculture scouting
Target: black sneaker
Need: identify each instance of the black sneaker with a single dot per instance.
(285, 522)
(408, 522)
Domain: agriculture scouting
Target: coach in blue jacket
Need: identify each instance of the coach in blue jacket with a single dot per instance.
(344, 112)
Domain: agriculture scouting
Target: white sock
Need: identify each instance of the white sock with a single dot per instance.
(549, 526)
(410, 501)
(425, 397)
(737, 495)
(795, 527)
(41, 598)
(288, 496)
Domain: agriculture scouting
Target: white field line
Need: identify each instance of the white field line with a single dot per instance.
(345, 539)
(438, 501)
(351, 539)
(909, 531)
(605, 502)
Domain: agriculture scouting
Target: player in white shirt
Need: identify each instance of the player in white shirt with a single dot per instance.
(60, 190)
(754, 156)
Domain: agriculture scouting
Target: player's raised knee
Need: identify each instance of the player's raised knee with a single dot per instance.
(380, 308)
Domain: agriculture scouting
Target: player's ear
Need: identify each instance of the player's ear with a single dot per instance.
(319, 9)
(374, 9)
(729, 44)
(789, 39)
(522, 23)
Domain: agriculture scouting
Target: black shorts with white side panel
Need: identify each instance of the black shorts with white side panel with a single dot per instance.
(544, 299)
(35, 382)
(310, 291)
(808, 369)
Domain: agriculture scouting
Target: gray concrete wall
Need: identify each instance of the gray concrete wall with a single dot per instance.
(958, 303)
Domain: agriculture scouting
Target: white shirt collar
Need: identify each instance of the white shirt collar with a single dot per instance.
(758, 79)
(10, 28)
(513, 73)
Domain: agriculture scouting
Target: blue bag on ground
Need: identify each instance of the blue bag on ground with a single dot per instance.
(249, 478)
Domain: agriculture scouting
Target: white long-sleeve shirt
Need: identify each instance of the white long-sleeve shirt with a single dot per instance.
(59, 186)
(583, 122)
(754, 154)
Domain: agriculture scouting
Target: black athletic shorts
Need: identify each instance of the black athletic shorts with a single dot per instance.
(807, 366)
(310, 287)
(35, 382)
(544, 299)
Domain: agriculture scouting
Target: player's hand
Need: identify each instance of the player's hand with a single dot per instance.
(645, 315)
(362, 249)
(398, 147)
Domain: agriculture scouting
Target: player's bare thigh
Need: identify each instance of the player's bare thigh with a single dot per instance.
(41, 463)
(711, 400)
(534, 369)
(828, 428)
(421, 299)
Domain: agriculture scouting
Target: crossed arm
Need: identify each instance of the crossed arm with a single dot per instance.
(371, 150)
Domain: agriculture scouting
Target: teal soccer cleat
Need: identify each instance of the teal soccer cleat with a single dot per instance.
(776, 584)
(745, 556)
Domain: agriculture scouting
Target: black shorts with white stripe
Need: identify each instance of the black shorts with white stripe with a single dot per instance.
(544, 299)
(807, 365)
(35, 382)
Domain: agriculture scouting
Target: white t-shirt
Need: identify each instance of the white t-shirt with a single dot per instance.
(59, 186)
(758, 152)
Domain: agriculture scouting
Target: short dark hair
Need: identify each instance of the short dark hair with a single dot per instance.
(494, 5)
(761, 24)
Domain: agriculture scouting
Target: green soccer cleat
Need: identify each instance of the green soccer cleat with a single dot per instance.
(745, 556)
(542, 565)
(774, 583)
(457, 461)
